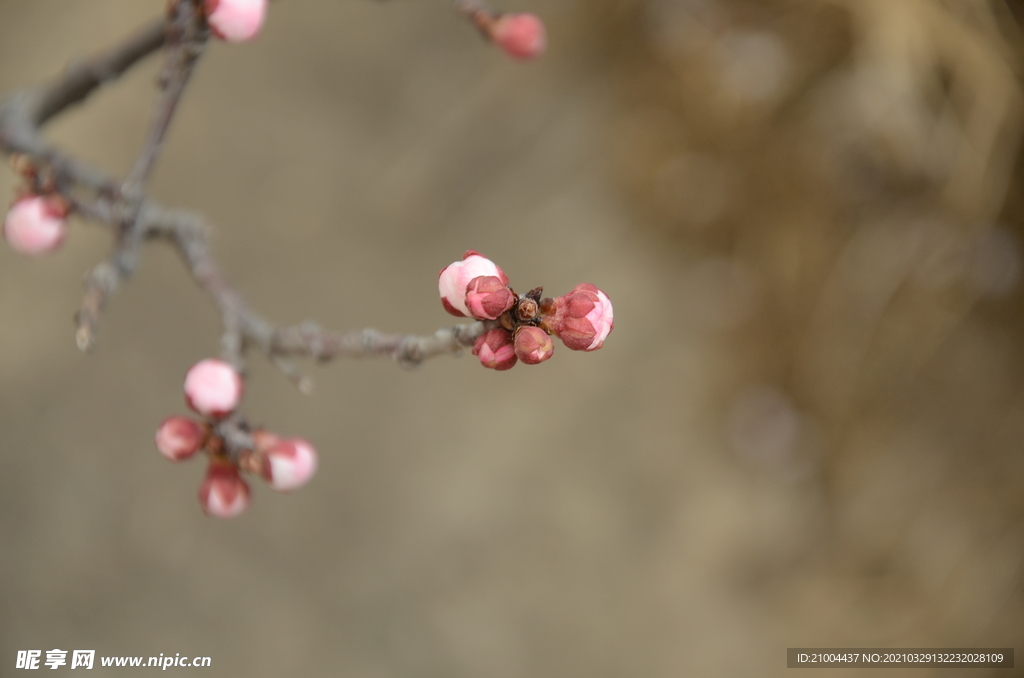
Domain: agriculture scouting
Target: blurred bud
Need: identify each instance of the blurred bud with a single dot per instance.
(235, 20)
(223, 493)
(178, 438)
(521, 36)
(35, 225)
(213, 388)
(487, 297)
(288, 464)
(495, 349)
(455, 278)
(582, 319)
(533, 345)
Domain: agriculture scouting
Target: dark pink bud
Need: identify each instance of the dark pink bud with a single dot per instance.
(487, 297)
(178, 438)
(213, 388)
(454, 280)
(582, 319)
(35, 225)
(521, 36)
(288, 464)
(533, 345)
(235, 20)
(495, 349)
(223, 493)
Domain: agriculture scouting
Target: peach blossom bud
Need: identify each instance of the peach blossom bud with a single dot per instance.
(521, 36)
(178, 438)
(495, 350)
(582, 319)
(213, 388)
(487, 297)
(455, 278)
(235, 20)
(223, 493)
(533, 345)
(288, 464)
(35, 225)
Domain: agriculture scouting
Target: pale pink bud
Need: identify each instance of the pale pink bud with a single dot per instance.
(582, 319)
(487, 297)
(235, 20)
(288, 464)
(454, 280)
(35, 225)
(533, 345)
(178, 438)
(213, 388)
(495, 349)
(521, 36)
(223, 493)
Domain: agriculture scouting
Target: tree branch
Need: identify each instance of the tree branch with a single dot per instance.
(134, 218)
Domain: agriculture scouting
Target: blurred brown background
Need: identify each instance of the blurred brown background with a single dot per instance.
(805, 430)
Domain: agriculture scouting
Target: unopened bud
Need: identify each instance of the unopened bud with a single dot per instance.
(453, 281)
(533, 345)
(213, 388)
(527, 310)
(487, 297)
(35, 225)
(235, 20)
(521, 36)
(179, 438)
(495, 349)
(582, 319)
(223, 493)
(289, 464)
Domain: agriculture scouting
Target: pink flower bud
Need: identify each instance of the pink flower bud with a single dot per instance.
(455, 278)
(495, 349)
(521, 36)
(533, 345)
(582, 319)
(289, 464)
(487, 297)
(213, 388)
(35, 225)
(223, 493)
(178, 438)
(235, 20)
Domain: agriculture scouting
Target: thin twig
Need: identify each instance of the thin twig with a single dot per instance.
(409, 350)
(186, 40)
(478, 13)
(25, 111)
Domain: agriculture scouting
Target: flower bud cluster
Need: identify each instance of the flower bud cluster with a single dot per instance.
(213, 389)
(478, 288)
